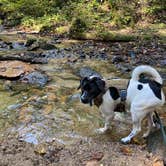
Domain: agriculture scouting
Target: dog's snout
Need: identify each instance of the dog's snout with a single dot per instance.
(85, 101)
(84, 98)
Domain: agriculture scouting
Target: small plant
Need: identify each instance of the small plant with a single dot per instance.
(78, 26)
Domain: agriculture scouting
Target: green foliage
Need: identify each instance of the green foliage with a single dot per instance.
(81, 16)
(156, 9)
(31, 8)
(78, 26)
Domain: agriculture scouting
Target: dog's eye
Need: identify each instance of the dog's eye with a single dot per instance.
(87, 87)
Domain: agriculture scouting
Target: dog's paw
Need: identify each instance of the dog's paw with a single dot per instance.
(145, 135)
(125, 140)
(101, 130)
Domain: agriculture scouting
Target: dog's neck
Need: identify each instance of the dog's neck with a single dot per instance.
(99, 99)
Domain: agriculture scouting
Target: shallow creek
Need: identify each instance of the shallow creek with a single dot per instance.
(54, 113)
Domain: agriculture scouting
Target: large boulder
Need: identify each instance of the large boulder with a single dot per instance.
(13, 69)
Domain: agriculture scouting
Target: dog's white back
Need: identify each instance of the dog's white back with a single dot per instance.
(143, 98)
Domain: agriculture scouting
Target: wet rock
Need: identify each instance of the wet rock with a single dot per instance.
(82, 56)
(35, 78)
(117, 59)
(102, 56)
(5, 45)
(163, 62)
(1, 27)
(87, 71)
(29, 42)
(30, 138)
(42, 44)
(34, 47)
(55, 53)
(18, 46)
(13, 69)
(124, 67)
(32, 57)
(14, 106)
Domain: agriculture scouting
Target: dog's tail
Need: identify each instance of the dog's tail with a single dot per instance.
(147, 70)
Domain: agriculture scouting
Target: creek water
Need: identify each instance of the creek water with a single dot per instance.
(53, 112)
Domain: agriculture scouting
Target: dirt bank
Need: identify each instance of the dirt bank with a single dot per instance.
(89, 153)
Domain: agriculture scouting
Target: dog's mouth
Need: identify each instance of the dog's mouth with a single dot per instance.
(87, 101)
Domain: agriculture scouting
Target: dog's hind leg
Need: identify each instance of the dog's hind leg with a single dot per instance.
(136, 129)
(137, 117)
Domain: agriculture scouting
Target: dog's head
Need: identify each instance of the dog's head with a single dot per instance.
(91, 87)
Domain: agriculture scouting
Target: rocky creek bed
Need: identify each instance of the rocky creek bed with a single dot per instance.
(42, 121)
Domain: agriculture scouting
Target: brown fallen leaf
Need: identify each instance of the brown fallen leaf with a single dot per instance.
(48, 109)
(40, 149)
(126, 150)
(97, 156)
(52, 97)
(138, 141)
(157, 161)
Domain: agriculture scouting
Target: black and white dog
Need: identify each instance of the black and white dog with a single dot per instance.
(143, 97)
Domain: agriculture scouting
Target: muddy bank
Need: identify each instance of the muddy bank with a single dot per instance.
(90, 153)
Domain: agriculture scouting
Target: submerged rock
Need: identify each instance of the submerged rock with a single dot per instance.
(18, 46)
(39, 44)
(35, 78)
(87, 71)
(124, 67)
(30, 138)
(116, 59)
(32, 57)
(29, 42)
(14, 106)
(5, 45)
(163, 62)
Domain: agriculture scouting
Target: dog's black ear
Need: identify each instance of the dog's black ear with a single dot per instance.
(82, 82)
(100, 83)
